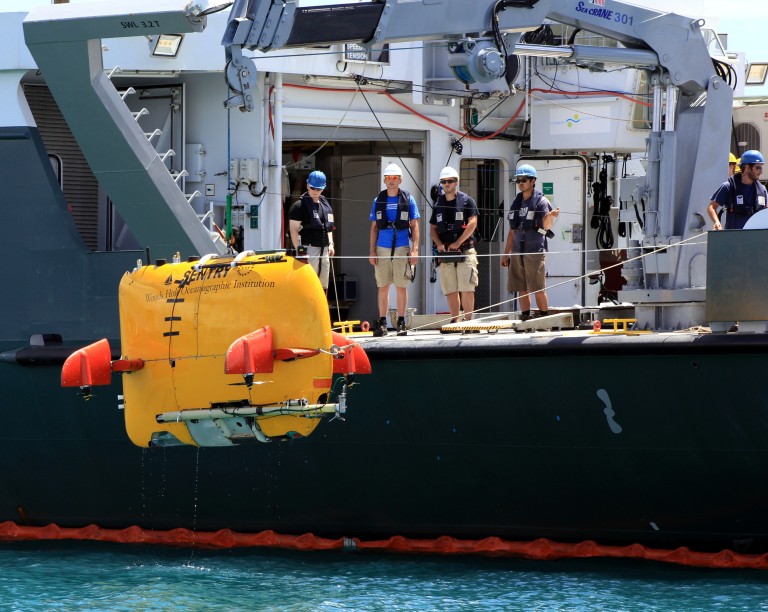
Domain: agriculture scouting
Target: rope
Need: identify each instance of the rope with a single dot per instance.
(569, 280)
(335, 290)
(499, 255)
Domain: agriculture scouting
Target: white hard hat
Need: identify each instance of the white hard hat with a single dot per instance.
(393, 170)
(448, 172)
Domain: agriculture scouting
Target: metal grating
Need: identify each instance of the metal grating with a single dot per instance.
(747, 137)
(81, 190)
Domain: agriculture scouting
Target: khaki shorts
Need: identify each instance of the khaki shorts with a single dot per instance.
(391, 271)
(321, 265)
(526, 272)
(461, 276)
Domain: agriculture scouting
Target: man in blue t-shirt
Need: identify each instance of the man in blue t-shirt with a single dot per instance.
(394, 246)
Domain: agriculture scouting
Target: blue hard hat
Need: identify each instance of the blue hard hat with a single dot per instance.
(526, 170)
(316, 180)
(751, 157)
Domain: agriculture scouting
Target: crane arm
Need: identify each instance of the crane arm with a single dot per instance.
(692, 104)
(649, 37)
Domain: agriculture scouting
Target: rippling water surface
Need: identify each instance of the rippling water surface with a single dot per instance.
(93, 576)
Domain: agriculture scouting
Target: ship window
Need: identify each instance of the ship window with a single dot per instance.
(712, 40)
(56, 164)
(747, 137)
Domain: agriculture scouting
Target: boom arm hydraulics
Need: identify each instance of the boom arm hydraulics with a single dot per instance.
(692, 104)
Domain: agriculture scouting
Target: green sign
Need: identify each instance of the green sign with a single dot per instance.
(549, 189)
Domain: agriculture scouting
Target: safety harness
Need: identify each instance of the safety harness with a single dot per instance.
(317, 220)
(518, 221)
(744, 207)
(402, 217)
(448, 228)
(451, 223)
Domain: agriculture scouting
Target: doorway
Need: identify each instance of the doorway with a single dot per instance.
(354, 177)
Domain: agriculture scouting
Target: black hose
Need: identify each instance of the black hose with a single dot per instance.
(601, 214)
(604, 238)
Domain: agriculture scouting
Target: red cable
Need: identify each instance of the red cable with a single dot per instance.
(462, 134)
(417, 113)
(466, 135)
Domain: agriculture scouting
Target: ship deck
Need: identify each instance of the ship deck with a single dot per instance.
(539, 336)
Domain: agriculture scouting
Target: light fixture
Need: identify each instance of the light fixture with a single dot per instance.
(165, 45)
(756, 73)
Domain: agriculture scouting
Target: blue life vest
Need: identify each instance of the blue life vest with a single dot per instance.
(531, 238)
(525, 223)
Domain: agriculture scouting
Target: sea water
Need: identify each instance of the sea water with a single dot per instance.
(95, 576)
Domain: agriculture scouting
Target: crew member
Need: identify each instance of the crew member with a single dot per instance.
(742, 195)
(394, 246)
(530, 218)
(733, 161)
(311, 226)
(452, 229)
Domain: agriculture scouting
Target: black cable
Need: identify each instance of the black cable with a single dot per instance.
(471, 131)
(394, 149)
(503, 5)
(542, 35)
(215, 9)
(597, 192)
(604, 238)
(572, 37)
(601, 214)
(496, 30)
(552, 83)
(638, 216)
(726, 72)
(622, 228)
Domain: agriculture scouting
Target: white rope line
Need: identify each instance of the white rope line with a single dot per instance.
(679, 244)
(580, 252)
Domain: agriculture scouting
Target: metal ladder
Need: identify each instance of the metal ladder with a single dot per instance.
(176, 175)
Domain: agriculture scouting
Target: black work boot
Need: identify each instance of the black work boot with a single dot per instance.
(380, 327)
(401, 331)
